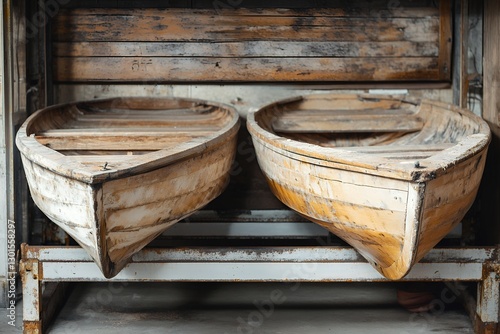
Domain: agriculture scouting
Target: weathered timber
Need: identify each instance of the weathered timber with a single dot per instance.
(392, 196)
(408, 43)
(113, 185)
(369, 120)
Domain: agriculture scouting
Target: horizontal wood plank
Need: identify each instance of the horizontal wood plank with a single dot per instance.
(289, 113)
(359, 9)
(247, 69)
(103, 160)
(136, 124)
(155, 118)
(400, 148)
(127, 132)
(118, 143)
(362, 41)
(171, 27)
(349, 123)
(291, 49)
(195, 112)
(96, 153)
(344, 120)
(320, 103)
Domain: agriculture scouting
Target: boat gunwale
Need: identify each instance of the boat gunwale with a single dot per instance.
(64, 165)
(343, 158)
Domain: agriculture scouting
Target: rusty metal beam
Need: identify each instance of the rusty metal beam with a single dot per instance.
(489, 294)
(266, 264)
(333, 264)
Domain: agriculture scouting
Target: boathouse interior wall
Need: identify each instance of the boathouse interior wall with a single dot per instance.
(245, 53)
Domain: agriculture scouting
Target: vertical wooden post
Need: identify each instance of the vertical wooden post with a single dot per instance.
(488, 294)
(445, 35)
(464, 75)
(489, 232)
(492, 62)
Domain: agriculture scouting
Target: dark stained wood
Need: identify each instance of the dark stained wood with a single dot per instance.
(492, 62)
(363, 42)
(172, 25)
(220, 5)
(244, 69)
(445, 39)
(283, 49)
(335, 10)
(489, 231)
(464, 49)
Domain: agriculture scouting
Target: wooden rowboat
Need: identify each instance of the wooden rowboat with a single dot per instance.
(116, 173)
(390, 176)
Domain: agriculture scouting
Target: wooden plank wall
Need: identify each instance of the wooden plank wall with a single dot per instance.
(364, 42)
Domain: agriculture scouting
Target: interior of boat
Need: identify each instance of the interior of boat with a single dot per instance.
(387, 127)
(118, 127)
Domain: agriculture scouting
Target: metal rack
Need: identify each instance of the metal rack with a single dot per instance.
(43, 265)
(308, 253)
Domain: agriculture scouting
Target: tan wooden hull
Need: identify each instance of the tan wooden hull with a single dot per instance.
(392, 216)
(115, 217)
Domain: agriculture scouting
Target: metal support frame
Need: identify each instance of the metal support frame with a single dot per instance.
(32, 287)
(46, 264)
(488, 292)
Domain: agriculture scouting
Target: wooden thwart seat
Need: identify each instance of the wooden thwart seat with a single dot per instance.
(348, 121)
(126, 131)
(120, 138)
(124, 141)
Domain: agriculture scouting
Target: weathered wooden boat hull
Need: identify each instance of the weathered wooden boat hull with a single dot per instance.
(122, 216)
(392, 220)
(392, 223)
(114, 218)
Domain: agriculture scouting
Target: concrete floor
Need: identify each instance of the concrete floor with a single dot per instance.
(245, 308)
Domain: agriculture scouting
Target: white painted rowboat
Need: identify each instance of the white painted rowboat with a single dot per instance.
(390, 176)
(116, 173)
